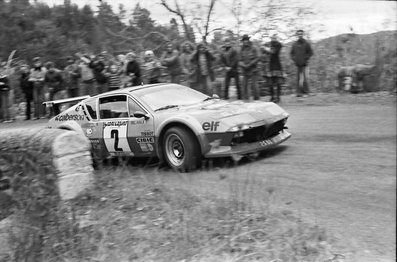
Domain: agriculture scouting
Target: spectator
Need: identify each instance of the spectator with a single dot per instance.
(87, 77)
(301, 52)
(249, 57)
(53, 80)
(265, 63)
(37, 74)
(151, 68)
(170, 59)
(114, 77)
(276, 70)
(133, 70)
(229, 61)
(98, 66)
(27, 89)
(4, 94)
(186, 64)
(202, 61)
(72, 74)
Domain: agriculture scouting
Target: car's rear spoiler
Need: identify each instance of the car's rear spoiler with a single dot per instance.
(55, 104)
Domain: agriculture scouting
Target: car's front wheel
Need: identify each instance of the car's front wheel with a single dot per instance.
(181, 149)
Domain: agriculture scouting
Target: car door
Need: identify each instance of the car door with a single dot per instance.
(113, 124)
(140, 129)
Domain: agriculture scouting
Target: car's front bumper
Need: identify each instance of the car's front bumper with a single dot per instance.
(248, 148)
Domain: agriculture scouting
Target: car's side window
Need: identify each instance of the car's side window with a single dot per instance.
(133, 107)
(113, 107)
(91, 107)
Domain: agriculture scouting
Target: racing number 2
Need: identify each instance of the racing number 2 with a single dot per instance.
(115, 134)
(115, 137)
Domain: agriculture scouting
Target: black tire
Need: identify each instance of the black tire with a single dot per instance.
(181, 149)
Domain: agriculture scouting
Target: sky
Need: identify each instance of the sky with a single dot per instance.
(336, 16)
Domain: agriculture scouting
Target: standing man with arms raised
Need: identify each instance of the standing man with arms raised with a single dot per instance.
(301, 52)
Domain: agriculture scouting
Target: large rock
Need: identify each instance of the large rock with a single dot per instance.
(45, 167)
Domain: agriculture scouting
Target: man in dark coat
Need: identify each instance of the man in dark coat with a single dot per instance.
(27, 89)
(98, 68)
(301, 52)
(229, 61)
(133, 70)
(276, 70)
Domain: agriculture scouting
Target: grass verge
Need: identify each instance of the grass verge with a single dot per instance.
(128, 216)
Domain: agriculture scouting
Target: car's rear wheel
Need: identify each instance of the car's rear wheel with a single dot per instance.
(181, 149)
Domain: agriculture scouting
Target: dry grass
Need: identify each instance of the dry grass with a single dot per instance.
(131, 215)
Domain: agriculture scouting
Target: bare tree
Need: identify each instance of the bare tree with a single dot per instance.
(181, 14)
(194, 18)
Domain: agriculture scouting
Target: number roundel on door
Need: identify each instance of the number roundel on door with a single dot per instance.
(115, 136)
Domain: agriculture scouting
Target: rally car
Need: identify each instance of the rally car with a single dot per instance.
(175, 123)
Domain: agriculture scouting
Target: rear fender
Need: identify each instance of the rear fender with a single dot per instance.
(73, 126)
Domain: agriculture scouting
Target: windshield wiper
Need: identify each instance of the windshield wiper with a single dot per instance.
(165, 107)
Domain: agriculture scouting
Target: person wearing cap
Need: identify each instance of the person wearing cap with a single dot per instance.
(202, 61)
(71, 75)
(170, 59)
(301, 52)
(249, 57)
(27, 88)
(151, 68)
(37, 75)
(133, 70)
(229, 59)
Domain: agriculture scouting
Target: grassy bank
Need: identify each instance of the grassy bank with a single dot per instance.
(130, 216)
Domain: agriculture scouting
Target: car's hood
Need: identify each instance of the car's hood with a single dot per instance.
(236, 113)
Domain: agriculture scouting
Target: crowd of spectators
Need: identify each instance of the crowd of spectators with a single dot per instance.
(193, 65)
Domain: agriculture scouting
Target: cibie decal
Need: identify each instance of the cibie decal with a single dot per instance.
(210, 126)
(115, 123)
(67, 117)
(145, 140)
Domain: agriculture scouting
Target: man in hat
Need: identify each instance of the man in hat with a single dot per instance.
(229, 59)
(301, 52)
(249, 57)
(37, 74)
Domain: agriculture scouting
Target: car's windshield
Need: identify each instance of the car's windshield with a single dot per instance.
(172, 94)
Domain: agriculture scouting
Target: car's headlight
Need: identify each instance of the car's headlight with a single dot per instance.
(239, 128)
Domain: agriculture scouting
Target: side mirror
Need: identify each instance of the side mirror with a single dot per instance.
(215, 96)
(140, 114)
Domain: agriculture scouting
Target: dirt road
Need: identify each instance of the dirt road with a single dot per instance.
(338, 171)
